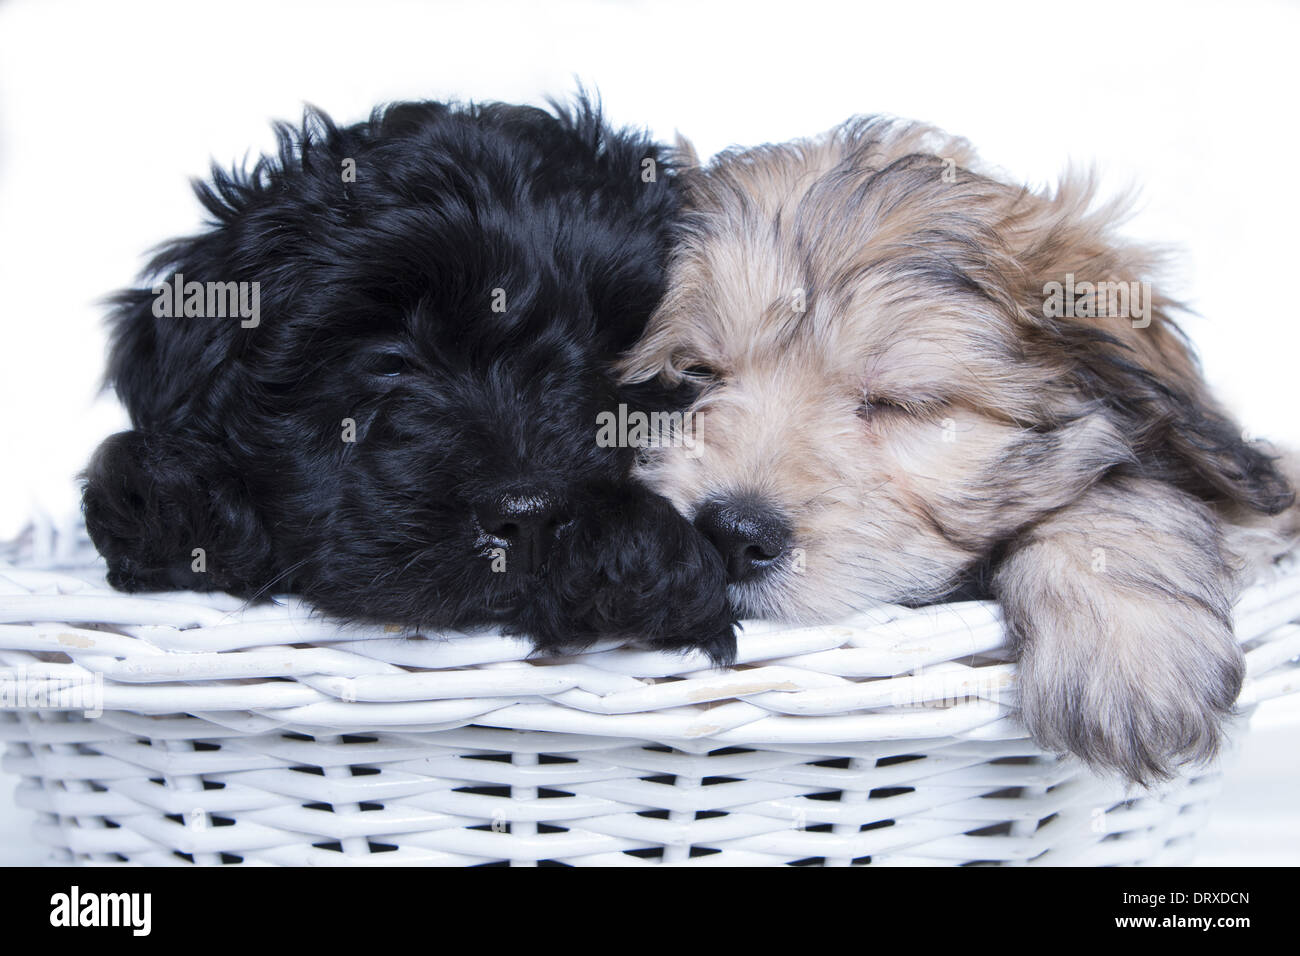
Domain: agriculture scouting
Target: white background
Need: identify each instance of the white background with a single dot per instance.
(106, 110)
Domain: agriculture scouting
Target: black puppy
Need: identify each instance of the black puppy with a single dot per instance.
(375, 381)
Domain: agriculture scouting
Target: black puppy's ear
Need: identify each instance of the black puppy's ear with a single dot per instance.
(165, 517)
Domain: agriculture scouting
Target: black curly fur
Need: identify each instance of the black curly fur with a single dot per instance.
(376, 305)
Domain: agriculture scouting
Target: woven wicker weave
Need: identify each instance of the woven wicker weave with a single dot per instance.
(267, 735)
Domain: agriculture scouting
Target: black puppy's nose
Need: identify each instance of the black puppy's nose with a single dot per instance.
(525, 524)
(750, 535)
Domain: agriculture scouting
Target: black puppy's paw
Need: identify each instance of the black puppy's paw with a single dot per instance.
(163, 515)
(631, 566)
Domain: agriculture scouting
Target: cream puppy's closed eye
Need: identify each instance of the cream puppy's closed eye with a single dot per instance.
(912, 377)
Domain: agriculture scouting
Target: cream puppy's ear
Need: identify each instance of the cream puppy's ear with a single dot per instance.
(684, 154)
(1120, 602)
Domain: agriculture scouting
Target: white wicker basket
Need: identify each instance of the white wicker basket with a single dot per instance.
(267, 735)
